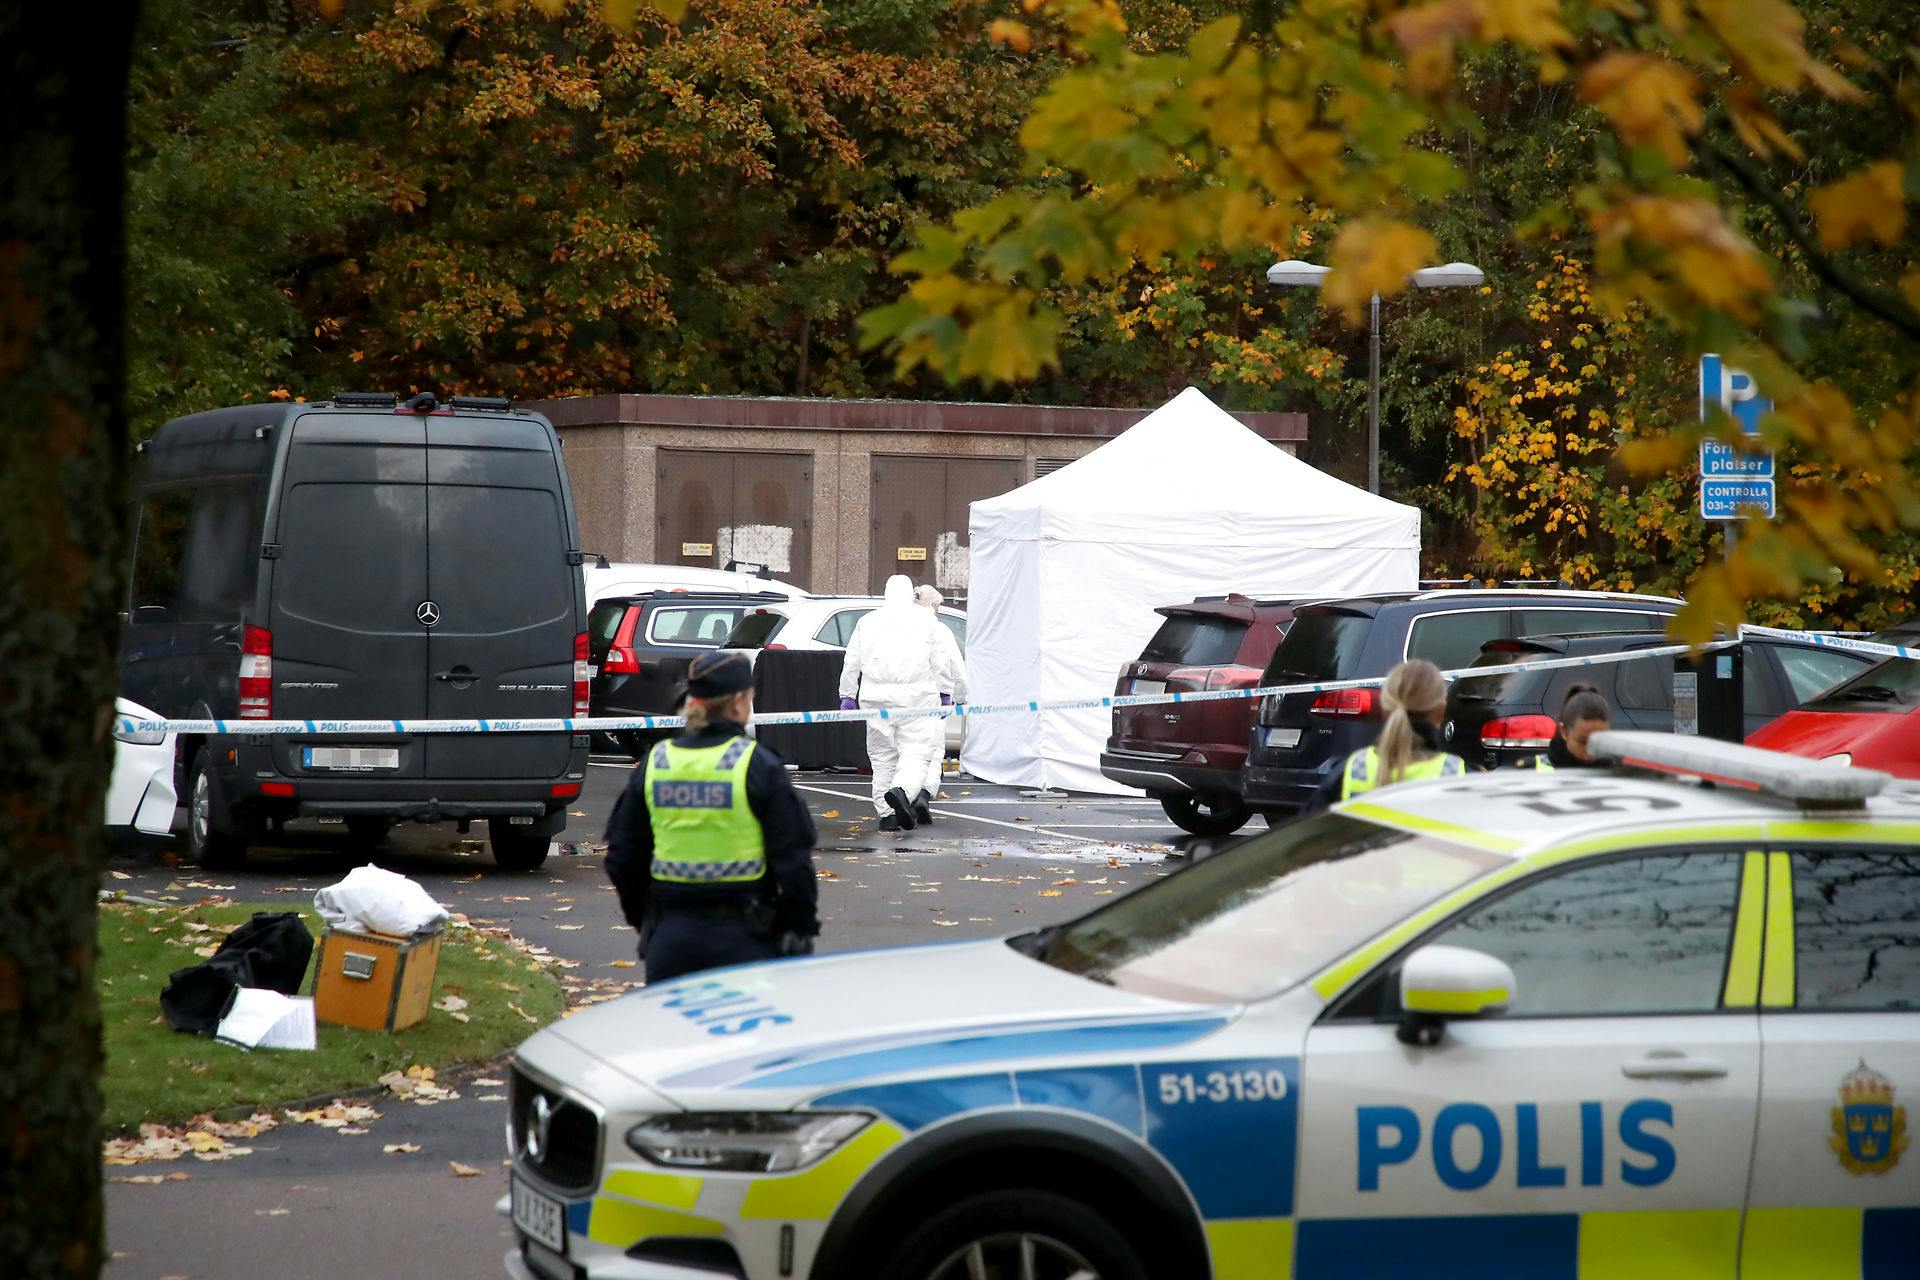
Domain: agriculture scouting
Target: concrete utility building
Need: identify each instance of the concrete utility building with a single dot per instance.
(833, 495)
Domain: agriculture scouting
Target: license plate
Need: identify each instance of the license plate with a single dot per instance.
(1149, 686)
(542, 1217)
(353, 758)
(1283, 739)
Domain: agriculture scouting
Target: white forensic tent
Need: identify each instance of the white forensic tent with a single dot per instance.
(1067, 571)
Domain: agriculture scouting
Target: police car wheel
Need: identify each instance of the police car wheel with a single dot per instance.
(513, 848)
(1022, 1234)
(1206, 815)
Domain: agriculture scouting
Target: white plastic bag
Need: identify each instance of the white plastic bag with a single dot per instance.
(377, 901)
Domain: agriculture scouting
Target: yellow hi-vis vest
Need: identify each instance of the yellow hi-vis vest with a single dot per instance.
(703, 830)
(1364, 769)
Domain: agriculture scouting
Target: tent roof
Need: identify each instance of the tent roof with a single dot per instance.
(1192, 455)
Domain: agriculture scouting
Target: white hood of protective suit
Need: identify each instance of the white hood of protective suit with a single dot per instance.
(896, 656)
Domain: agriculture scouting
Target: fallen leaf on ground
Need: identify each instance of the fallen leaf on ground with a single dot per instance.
(1069, 880)
(336, 1115)
(463, 1170)
(523, 1013)
(119, 875)
(152, 1179)
(569, 927)
(946, 924)
(489, 1083)
(400, 1148)
(1049, 893)
(493, 1097)
(452, 1006)
(271, 1213)
(621, 964)
(352, 1133)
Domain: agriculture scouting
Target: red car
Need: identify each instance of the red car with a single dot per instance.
(1871, 720)
(1188, 757)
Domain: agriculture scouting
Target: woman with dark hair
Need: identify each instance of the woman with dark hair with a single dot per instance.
(1584, 713)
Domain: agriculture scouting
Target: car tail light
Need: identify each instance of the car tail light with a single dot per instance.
(582, 701)
(256, 673)
(1530, 733)
(1189, 678)
(1345, 702)
(621, 659)
(1234, 678)
(283, 790)
(565, 790)
(774, 646)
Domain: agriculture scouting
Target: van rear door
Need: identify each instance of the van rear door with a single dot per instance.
(347, 584)
(506, 595)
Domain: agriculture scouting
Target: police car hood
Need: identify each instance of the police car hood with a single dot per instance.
(780, 1033)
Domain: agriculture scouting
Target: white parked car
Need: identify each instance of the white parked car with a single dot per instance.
(827, 622)
(141, 795)
(604, 579)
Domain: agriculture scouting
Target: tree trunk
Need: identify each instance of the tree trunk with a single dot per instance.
(63, 534)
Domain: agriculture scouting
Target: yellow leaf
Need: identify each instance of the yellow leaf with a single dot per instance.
(1910, 289)
(1651, 101)
(1373, 255)
(1010, 32)
(1867, 203)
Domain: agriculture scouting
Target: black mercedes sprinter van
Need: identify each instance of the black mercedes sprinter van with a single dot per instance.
(357, 559)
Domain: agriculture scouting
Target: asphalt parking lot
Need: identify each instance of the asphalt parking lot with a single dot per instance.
(994, 862)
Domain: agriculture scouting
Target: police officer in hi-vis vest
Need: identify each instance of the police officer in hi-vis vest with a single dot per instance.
(710, 847)
(1408, 749)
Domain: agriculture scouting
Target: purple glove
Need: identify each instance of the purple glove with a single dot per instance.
(946, 699)
(848, 704)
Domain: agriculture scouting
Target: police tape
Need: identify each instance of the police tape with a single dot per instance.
(605, 724)
(1833, 640)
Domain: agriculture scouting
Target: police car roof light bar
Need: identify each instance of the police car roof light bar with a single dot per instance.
(1808, 783)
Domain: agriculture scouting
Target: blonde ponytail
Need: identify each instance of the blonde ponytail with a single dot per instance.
(1414, 688)
(697, 714)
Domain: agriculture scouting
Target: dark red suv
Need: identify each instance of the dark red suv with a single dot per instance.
(1188, 757)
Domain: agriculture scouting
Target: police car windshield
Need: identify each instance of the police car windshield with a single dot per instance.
(1264, 915)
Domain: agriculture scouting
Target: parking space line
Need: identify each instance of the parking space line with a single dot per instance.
(948, 813)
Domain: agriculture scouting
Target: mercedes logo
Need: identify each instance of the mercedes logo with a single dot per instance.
(539, 1127)
(428, 613)
(1449, 731)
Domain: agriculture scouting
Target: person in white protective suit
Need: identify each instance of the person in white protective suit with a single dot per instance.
(894, 659)
(953, 688)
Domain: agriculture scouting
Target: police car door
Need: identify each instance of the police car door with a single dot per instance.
(1602, 1127)
(1836, 1180)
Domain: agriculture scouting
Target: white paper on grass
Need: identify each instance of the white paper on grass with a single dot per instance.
(1067, 571)
(376, 901)
(263, 1019)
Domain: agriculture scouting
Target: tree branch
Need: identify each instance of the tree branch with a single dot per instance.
(1880, 303)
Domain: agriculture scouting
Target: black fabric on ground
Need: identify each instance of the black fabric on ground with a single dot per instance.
(271, 950)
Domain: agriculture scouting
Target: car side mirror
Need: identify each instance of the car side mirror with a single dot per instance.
(1439, 983)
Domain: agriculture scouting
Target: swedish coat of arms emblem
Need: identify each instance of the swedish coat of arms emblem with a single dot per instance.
(1869, 1132)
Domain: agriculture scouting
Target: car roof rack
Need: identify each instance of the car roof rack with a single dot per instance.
(367, 399)
(695, 593)
(1810, 784)
(492, 404)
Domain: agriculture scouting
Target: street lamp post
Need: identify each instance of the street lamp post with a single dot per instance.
(1305, 275)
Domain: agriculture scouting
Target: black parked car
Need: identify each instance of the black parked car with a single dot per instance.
(359, 559)
(641, 645)
(1501, 719)
(1301, 738)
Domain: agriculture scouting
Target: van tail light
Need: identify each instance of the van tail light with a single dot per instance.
(1232, 677)
(582, 699)
(775, 646)
(1346, 702)
(1525, 733)
(256, 673)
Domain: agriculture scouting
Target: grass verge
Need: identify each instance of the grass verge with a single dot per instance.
(156, 1074)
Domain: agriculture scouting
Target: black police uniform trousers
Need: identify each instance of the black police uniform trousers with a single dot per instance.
(690, 936)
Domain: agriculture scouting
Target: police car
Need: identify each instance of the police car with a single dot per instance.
(1658, 1022)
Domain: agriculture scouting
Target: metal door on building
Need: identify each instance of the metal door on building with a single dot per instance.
(920, 515)
(752, 510)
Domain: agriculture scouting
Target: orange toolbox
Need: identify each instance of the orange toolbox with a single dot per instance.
(374, 980)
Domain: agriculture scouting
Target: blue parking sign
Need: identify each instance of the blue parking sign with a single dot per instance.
(1734, 483)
